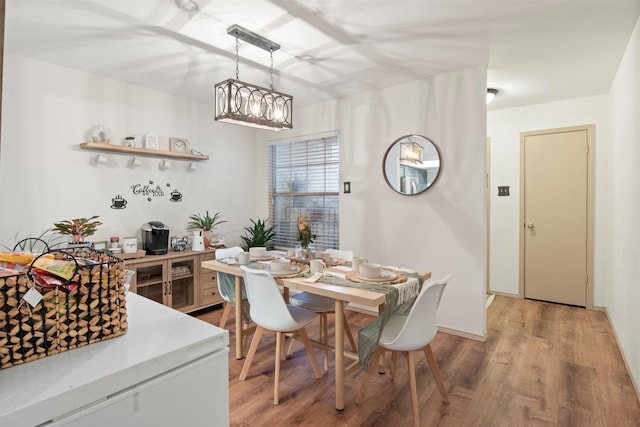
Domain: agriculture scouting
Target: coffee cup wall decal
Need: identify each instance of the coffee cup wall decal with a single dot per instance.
(176, 196)
(118, 202)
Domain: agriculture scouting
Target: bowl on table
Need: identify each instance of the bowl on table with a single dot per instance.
(370, 270)
(280, 265)
(258, 252)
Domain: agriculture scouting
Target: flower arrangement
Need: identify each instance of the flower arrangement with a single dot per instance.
(305, 235)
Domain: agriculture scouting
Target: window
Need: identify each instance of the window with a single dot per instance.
(303, 179)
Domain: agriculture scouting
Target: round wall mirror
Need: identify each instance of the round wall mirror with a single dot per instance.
(411, 164)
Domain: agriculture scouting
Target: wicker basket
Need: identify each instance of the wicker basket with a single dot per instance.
(66, 317)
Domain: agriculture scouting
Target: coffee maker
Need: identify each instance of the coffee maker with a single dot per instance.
(155, 238)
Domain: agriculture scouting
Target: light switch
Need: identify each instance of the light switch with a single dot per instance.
(503, 190)
(347, 187)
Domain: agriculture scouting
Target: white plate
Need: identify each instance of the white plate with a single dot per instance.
(294, 269)
(386, 276)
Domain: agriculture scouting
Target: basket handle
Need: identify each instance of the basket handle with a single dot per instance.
(75, 261)
(36, 240)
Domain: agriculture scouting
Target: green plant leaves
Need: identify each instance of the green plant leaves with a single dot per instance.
(259, 234)
(205, 222)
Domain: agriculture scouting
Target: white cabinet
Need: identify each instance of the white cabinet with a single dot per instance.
(168, 369)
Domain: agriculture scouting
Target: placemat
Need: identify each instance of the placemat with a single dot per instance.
(303, 269)
(353, 277)
(332, 263)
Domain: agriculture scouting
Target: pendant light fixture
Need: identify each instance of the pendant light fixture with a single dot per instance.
(248, 104)
(411, 152)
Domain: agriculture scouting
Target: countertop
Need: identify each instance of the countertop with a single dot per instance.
(158, 339)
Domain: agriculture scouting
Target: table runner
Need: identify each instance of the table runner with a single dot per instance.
(369, 336)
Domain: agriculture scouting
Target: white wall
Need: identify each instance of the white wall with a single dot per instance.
(45, 176)
(441, 230)
(623, 258)
(504, 128)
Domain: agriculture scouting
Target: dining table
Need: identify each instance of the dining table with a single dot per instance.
(336, 283)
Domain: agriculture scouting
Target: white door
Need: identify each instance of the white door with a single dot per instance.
(556, 215)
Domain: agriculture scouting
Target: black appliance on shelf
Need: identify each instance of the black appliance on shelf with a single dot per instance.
(155, 238)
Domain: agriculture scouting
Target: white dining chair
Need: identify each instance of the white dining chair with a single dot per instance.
(324, 306)
(408, 333)
(270, 313)
(227, 305)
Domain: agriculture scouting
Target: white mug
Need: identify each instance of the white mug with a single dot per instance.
(356, 261)
(317, 266)
(244, 258)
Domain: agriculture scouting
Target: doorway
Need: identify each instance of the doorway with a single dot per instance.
(556, 213)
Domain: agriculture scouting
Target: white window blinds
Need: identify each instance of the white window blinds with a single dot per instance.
(303, 179)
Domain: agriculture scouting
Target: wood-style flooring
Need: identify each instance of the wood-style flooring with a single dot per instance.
(543, 364)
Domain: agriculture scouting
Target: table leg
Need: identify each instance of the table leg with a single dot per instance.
(339, 334)
(239, 351)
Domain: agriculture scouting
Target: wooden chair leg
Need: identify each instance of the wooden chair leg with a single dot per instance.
(276, 380)
(347, 330)
(436, 372)
(367, 378)
(394, 359)
(292, 344)
(252, 352)
(312, 358)
(411, 366)
(226, 311)
(324, 338)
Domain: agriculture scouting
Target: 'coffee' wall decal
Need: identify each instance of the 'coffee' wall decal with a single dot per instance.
(148, 190)
(153, 191)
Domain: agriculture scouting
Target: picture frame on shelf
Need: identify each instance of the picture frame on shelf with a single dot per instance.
(151, 141)
(178, 145)
(100, 246)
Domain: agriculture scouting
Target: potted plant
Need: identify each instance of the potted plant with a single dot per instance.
(78, 228)
(206, 223)
(259, 234)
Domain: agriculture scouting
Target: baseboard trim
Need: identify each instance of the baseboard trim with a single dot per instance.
(455, 332)
(624, 357)
(505, 294)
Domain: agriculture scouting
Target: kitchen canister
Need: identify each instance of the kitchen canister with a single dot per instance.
(129, 245)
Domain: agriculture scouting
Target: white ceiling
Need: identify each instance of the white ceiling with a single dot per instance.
(536, 51)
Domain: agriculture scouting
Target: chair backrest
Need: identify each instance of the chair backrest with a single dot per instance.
(421, 325)
(228, 252)
(268, 308)
(337, 253)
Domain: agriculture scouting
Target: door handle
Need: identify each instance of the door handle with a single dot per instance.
(530, 225)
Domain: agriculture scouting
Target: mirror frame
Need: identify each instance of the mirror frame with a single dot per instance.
(398, 141)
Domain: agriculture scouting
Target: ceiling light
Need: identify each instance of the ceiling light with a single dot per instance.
(491, 93)
(411, 152)
(248, 104)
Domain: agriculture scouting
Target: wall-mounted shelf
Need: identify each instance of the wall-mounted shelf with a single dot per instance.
(141, 151)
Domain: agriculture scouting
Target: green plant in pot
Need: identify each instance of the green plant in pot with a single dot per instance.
(78, 228)
(259, 234)
(205, 222)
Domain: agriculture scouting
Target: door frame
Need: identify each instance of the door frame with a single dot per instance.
(487, 203)
(590, 130)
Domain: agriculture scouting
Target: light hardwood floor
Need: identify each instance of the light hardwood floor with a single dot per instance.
(542, 365)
